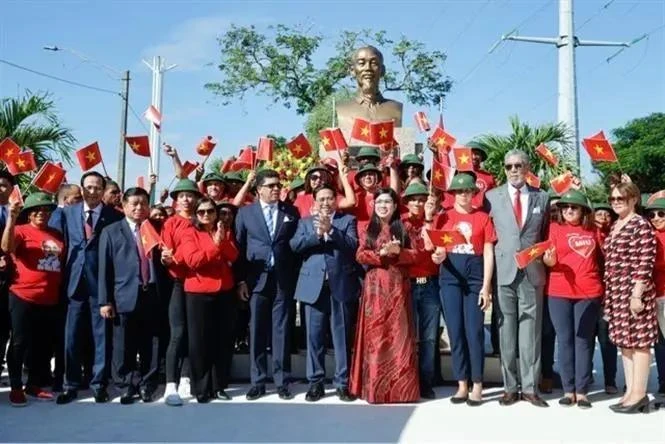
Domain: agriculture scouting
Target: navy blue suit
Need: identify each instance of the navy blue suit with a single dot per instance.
(135, 323)
(80, 275)
(327, 283)
(271, 288)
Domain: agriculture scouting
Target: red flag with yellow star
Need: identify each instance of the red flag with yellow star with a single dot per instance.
(547, 155)
(245, 160)
(338, 139)
(22, 163)
(599, 148)
(205, 147)
(9, 150)
(446, 238)
(265, 148)
(361, 130)
(422, 122)
(442, 140)
(381, 133)
(227, 165)
(149, 237)
(299, 146)
(189, 167)
(463, 159)
(562, 183)
(89, 156)
(327, 140)
(49, 178)
(139, 144)
(16, 196)
(528, 255)
(441, 175)
(532, 179)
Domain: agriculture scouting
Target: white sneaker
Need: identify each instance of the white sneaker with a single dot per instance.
(184, 388)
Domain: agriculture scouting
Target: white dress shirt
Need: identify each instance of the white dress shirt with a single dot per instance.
(275, 210)
(96, 213)
(135, 232)
(524, 198)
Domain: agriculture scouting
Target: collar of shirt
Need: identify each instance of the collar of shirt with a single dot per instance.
(96, 210)
(524, 189)
(267, 205)
(132, 225)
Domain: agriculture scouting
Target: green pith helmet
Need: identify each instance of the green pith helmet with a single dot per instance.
(416, 189)
(368, 152)
(212, 176)
(574, 197)
(184, 185)
(412, 159)
(38, 199)
(463, 181)
(316, 168)
(296, 183)
(475, 146)
(657, 204)
(367, 168)
(234, 176)
(601, 206)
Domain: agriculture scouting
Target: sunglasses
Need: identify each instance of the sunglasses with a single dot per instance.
(654, 214)
(617, 199)
(513, 166)
(570, 207)
(272, 185)
(205, 211)
(315, 177)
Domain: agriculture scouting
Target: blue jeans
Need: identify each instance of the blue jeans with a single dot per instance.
(659, 352)
(426, 312)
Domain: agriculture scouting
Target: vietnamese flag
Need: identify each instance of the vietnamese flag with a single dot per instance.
(381, 133)
(227, 165)
(149, 237)
(422, 122)
(49, 178)
(361, 130)
(299, 146)
(9, 150)
(441, 175)
(89, 156)
(265, 149)
(205, 147)
(528, 255)
(532, 179)
(338, 139)
(442, 140)
(16, 196)
(446, 238)
(463, 159)
(547, 155)
(244, 161)
(327, 139)
(22, 163)
(154, 116)
(189, 167)
(562, 183)
(139, 144)
(599, 148)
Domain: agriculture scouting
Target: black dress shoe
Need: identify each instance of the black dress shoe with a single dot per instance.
(427, 393)
(255, 393)
(661, 389)
(474, 402)
(66, 397)
(221, 395)
(203, 399)
(100, 395)
(584, 404)
(344, 395)
(534, 399)
(641, 406)
(459, 400)
(129, 396)
(315, 393)
(284, 393)
(147, 394)
(566, 401)
(508, 399)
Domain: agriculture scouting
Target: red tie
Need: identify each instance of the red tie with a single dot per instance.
(517, 208)
(143, 259)
(88, 225)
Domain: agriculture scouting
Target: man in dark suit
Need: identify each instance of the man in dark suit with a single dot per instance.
(266, 272)
(7, 183)
(80, 226)
(128, 296)
(327, 285)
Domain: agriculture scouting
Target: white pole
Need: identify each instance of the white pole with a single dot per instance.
(567, 104)
(153, 131)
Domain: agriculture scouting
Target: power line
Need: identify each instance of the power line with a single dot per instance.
(595, 14)
(469, 23)
(60, 79)
(135, 114)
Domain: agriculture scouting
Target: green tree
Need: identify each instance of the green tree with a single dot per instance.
(281, 65)
(320, 116)
(640, 148)
(527, 138)
(33, 123)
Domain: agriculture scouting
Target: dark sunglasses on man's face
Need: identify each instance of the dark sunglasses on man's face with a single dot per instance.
(273, 185)
(204, 211)
(654, 214)
(511, 166)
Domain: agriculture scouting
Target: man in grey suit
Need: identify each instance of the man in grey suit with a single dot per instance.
(521, 217)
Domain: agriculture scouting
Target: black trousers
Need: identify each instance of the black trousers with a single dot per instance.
(5, 321)
(210, 320)
(136, 333)
(177, 348)
(31, 342)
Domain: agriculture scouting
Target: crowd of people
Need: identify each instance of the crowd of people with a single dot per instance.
(81, 287)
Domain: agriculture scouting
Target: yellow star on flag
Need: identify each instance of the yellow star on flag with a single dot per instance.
(51, 177)
(598, 148)
(136, 146)
(20, 163)
(534, 252)
(549, 154)
(144, 240)
(364, 131)
(446, 239)
(441, 142)
(383, 133)
(9, 152)
(464, 159)
(325, 141)
(297, 149)
(90, 156)
(438, 175)
(559, 179)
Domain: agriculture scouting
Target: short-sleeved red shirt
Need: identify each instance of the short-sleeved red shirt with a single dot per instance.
(659, 267)
(476, 227)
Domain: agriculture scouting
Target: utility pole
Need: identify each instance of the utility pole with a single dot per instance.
(566, 44)
(122, 149)
(158, 69)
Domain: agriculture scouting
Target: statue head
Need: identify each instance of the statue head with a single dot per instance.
(367, 68)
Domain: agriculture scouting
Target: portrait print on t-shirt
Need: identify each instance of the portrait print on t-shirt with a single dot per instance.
(51, 259)
(465, 229)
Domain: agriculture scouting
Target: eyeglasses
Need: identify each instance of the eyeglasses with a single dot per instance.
(617, 199)
(315, 177)
(511, 166)
(654, 214)
(276, 185)
(204, 211)
(570, 207)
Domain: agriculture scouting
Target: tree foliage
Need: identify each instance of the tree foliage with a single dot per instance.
(527, 138)
(640, 148)
(280, 64)
(320, 116)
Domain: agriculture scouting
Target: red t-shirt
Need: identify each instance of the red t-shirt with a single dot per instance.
(423, 267)
(476, 227)
(576, 274)
(172, 232)
(659, 267)
(364, 206)
(38, 258)
(305, 202)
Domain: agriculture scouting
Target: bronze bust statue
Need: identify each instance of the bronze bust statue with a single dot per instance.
(367, 68)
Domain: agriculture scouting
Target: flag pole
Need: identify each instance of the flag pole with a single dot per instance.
(333, 111)
(104, 168)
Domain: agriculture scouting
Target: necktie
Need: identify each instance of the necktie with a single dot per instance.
(144, 265)
(3, 216)
(517, 208)
(88, 225)
(270, 218)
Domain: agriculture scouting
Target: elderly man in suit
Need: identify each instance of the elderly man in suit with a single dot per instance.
(128, 296)
(266, 272)
(80, 225)
(521, 216)
(328, 283)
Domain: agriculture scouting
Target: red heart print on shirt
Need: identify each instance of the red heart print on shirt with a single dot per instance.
(582, 244)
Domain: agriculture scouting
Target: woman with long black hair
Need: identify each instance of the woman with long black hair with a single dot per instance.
(385, 362)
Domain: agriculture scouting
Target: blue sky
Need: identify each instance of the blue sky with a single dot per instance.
(518, 78)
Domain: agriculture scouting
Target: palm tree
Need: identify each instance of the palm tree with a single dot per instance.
(527, 138)
(32, 122)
